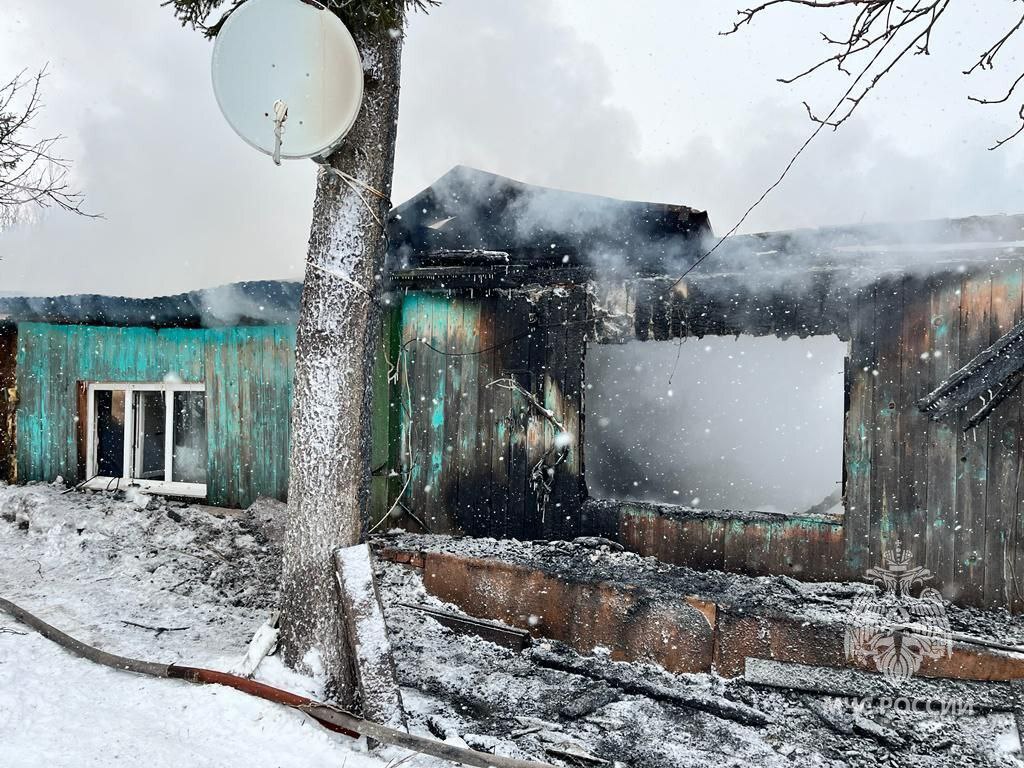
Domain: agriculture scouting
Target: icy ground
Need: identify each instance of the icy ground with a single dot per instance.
(97, 566)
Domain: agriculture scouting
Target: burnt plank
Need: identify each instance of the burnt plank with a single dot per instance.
(972, 479)
(514, 315)
(1003, 452)
(492, 631)
(544, 320)
(415, 324)
(885, 524)
(469, 456)
(661, 313)
(570, 491)
(495, 404)
(453, 363)
(912, 425)
(487, 506)
(860, 429)
(943, 459)
(643, 311)
(554, 520)
(8, 415)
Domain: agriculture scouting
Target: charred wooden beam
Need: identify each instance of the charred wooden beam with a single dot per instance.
(995, 371)
(492, 631)
(987, 696)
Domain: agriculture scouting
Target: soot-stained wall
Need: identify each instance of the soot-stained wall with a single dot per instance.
(951, 498)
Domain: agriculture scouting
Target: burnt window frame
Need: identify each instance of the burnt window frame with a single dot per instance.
(836, 518)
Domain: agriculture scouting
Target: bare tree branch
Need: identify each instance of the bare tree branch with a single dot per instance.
(31, 171)
(873, 24)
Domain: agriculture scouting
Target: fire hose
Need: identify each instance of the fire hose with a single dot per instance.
(328, 716)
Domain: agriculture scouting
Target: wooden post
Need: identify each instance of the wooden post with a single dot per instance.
(364, 626)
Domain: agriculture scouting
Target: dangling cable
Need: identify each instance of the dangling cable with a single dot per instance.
(280, 115)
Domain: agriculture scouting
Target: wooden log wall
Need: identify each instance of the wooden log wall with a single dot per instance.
(471, 448)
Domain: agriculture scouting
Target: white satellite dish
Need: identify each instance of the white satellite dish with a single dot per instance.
(288, 77)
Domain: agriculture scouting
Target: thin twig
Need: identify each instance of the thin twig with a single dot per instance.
(159, 630)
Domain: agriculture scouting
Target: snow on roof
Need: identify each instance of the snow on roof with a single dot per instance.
(264, 302)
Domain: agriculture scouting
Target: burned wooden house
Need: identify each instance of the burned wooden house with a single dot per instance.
(551, 365)
(506, 300)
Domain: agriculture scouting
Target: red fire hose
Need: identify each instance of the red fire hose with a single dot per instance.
(328, 716)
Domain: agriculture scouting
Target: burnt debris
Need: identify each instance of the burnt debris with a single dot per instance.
(991, 377)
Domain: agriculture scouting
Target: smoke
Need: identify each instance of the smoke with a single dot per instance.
(643, 103)
(753, 424)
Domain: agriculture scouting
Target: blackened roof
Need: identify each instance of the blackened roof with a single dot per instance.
(263, 302)
(470, 216)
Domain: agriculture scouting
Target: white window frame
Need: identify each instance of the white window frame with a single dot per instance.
(131, 456)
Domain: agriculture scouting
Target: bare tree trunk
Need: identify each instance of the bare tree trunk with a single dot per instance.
(336, 338)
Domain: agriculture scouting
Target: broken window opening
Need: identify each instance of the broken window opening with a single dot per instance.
(149, 435)
(189, 458)
(720, 423)
(110, 433)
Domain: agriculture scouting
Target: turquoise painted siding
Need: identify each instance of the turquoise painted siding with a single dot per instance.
(248, 375)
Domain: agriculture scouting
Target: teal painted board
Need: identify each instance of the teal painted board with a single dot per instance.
(248, 376)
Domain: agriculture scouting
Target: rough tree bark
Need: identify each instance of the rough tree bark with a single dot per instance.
(336, 338)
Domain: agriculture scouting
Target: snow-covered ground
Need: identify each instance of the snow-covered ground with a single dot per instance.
(88, 563)
(98, 566)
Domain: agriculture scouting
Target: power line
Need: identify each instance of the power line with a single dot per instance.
(792, 161)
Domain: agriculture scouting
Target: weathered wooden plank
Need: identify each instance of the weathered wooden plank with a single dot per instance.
(860, 428)
(912, 425)
(416, 322)
(437, 430)
(1003, 452)
(469, 503)
(943, 458)
(495, 404)
(972, 480)
(516, 364)
(885, 529)
(445, 439)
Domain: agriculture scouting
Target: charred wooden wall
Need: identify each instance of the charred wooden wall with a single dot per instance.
(8, 402)
(953, 499)
(469, 445)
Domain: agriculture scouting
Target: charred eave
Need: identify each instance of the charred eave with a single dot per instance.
(991, 376)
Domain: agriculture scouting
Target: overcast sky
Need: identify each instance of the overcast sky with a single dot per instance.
(641, 100)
